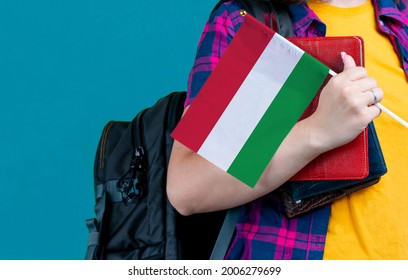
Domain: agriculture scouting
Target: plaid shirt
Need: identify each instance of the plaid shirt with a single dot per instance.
(263, 231)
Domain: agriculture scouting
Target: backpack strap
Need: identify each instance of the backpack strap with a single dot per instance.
(225, 236)
(280, 13)
(274, 15)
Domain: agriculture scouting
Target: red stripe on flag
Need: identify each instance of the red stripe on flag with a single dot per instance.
(215, 95)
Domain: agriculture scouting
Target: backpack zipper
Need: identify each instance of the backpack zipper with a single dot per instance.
(132, 183)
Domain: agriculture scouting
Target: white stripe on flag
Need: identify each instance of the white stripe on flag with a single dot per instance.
(250, 102)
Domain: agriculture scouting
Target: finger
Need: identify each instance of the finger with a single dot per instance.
(371, 96)
(377, 95)
(351, 71)
(373, 112)
(348, 61)
(363, 83)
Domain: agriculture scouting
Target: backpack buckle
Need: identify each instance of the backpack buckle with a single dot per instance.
(132, 183)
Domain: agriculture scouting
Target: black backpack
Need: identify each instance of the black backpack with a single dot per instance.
(134, 219)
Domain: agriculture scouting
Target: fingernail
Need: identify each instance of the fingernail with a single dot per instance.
(343, 54)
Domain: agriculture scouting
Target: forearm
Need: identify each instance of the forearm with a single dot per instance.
(195, 185)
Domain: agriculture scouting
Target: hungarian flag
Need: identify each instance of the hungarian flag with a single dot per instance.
(255, 95)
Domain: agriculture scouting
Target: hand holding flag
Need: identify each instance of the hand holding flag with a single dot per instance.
(377, 98)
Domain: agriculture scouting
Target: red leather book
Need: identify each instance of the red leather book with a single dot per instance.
(350, 161)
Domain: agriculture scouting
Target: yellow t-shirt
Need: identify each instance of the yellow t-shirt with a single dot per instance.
(372, 223)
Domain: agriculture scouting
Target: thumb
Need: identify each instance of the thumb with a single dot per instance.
(348, 61)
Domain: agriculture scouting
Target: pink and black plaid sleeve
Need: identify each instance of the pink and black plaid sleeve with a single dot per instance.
(217, 34)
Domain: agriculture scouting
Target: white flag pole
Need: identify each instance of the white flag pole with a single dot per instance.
(392, 115)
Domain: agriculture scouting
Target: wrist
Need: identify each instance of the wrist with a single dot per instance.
(317, 140)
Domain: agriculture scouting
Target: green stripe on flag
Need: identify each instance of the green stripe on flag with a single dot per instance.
(283, 113)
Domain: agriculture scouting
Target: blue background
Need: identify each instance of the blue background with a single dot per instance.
(66, 68)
